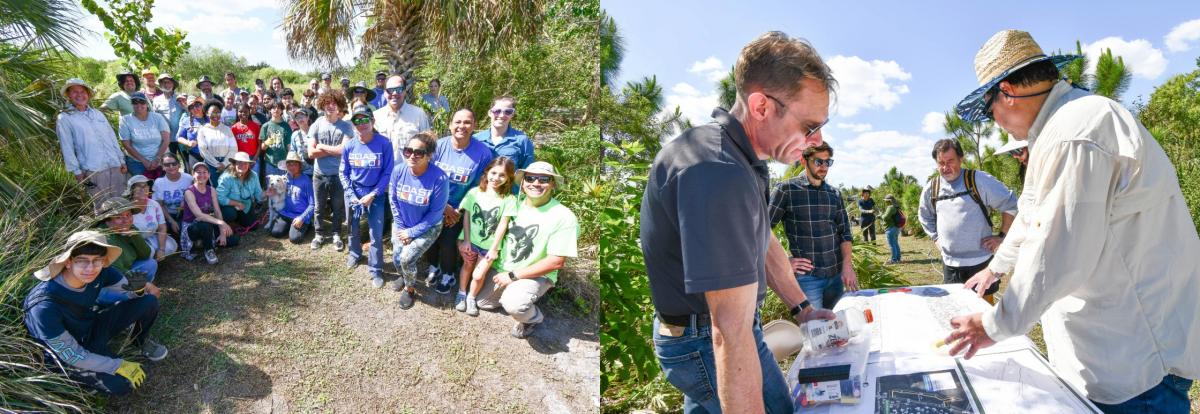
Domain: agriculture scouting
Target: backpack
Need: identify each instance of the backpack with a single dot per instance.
(972, 190)
(901, 219)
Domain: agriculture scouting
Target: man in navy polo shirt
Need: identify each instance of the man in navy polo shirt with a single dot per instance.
(705, 231)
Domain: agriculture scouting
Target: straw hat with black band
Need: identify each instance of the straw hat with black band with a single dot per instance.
(78, 239)
(1006, 52)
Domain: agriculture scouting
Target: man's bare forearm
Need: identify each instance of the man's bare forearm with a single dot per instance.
(739, 373)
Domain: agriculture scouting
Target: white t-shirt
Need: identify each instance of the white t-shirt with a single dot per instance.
(148, 219)
(170, 193)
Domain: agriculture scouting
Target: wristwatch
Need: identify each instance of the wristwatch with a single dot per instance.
(800, 308)
(511, 276)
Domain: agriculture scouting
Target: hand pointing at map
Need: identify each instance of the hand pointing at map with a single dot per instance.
(968, 335)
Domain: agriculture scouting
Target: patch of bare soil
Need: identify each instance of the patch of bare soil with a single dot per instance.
(278, 328)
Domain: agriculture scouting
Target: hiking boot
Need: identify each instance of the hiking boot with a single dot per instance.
(472, 309)
(153, 350)
(460, 302)
(211, 256)
(352, 262)
(522, 330)
(447, 284)
(433, 272)
(189, 256)
(377, 281)
(398, 284)
(406, 298)
(337, 243)
(317, 242)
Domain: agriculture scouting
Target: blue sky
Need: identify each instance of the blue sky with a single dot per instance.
(900, 65)
(248, 28)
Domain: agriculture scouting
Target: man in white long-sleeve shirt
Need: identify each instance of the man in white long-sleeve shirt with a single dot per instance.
(1103, 248)
(89, 145)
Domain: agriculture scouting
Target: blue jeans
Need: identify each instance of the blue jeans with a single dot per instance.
(822, 292)
(1169, 396)
(690, 365)
(893, 237)
(374, 214)
(150, 266)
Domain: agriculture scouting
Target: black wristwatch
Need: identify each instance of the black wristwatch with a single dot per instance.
(1002, 234)
(800, 308)
(512, 276)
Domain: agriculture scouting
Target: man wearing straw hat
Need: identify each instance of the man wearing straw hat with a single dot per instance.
(541, 237)
(61, 314)
(89, 145)
(706, 234)
(1104, 245)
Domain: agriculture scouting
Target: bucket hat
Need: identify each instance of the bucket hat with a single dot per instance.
(1004, 53)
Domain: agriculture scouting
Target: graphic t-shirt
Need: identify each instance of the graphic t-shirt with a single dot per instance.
(170, 193)
(146, 136)
(148, 220)
(535, 233)
(463, 168)
(366, 167)
(276, 137)
(485, 209)
(246, 135)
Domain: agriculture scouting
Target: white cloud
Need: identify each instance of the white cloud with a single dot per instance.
(933, 123)
(1177, 40)
(867, 85)
(855, 127)
(697, 106)
(711, 69)
(206, 24)
(865, 158)
(1140, 56)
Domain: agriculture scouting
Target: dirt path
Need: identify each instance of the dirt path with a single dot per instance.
(277, 328)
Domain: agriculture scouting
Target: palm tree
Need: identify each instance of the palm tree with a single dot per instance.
(612, 50)
(648, 89)
(969, 134)
(1112, 76)
(1076, 70)
(401, 32)
(727, 90)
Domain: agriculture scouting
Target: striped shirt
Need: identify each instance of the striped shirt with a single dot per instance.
(814, 220)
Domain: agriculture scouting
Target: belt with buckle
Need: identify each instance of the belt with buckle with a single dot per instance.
(702, 320)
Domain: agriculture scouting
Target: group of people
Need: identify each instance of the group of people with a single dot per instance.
(475, 205)
(1099, 245)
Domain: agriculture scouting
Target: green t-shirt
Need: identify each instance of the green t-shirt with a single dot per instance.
(537, 232)
(485, 211)
(277, 137)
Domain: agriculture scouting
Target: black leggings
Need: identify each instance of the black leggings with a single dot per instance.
(204, 235)
(444, 252)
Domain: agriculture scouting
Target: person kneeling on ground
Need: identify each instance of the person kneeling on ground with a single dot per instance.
(136, 261)
(60, 313)
(238, 193)
(295, 217)
(542, 236)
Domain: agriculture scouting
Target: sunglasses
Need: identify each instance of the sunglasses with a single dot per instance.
(395, 91)
(410, 152)
(170, 164)
(140, 102)
(505, 111)
(362, 120)
(541, 179)
(1017, 152)
(822, 163)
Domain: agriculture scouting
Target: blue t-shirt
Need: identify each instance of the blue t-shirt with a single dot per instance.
(463, 168)
(188, 127)
(417, 202)
(515, 145)
(366, 167)
(145, 136)
(298, 202)
(328, 133)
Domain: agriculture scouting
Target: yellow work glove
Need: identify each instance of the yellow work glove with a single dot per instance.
(132, 371)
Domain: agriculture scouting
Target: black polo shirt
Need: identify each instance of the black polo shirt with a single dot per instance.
(704, 222)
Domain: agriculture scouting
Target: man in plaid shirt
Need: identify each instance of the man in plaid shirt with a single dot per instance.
(818, 231)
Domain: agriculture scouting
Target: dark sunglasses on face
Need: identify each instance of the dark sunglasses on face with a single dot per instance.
(541, 179)
(140, 102)
(395, 91)
(823, 163)
(1017, 152)
(170, 164)
(410, 152)
(362, 120)
(505, 111)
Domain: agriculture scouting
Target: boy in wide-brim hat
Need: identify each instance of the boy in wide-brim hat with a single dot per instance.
(61, 314)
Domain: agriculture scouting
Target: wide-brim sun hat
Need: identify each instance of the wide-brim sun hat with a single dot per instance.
(543, 168)
(77, 82)
(783, 338)
(204, 79)
(1012, 145)
(292, 156)
(137, 80)
(241, 156)
(114, 206)
(75, 240)
(1004, 53)
(167, 76)
(133, 180)
(362, 88)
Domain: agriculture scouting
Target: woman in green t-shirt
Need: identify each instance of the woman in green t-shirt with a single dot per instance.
(486, 212)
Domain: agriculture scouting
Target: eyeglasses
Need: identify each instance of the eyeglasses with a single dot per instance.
(361, 120)
(170, 164)
(811, 130)
(410, 152)
(86, 263)
(1017, 152)
(541, 179)
(505, 111)
(395, 91)
(822, 162)
(990, 98)
(140, 102)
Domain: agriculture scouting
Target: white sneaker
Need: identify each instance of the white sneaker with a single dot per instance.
(211, 256)
(433, 273)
